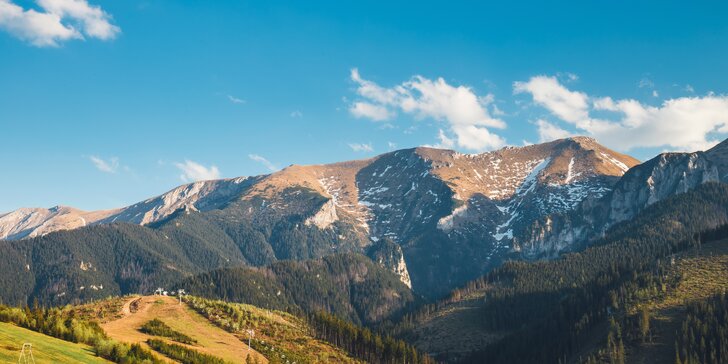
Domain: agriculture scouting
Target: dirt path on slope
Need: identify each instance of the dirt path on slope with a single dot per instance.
(210, 339)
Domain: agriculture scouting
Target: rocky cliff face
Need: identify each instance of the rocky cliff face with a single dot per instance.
(389, 255)
(663, 176)
(452, 215)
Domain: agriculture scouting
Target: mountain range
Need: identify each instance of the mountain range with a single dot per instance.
(466, 256)
(435, 218)
(450, 216)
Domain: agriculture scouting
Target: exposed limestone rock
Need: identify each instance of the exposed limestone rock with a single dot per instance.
(324, 217)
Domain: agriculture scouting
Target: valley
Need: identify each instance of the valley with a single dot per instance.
(350, 182)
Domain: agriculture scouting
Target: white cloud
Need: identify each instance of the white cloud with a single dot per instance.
(444, 141)
(459, 107)
(655, 93)
(604, 103)
(548, 92)
(59, 21)
(296, 114)
(392, 145)
(370, 111)
(374, 92)
(548, 131)
(361, 147)
(686, 123)
(193, 171)
(235, 100)
(262, 160)
(109, 166)
(689, 89)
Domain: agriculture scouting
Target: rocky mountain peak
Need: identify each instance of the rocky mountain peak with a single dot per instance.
(663, 176)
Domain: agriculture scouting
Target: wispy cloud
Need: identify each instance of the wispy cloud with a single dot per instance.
(686, 123)
(110, 165)
(645, 82)
(444, 142)
(264, 161)
(370, 111)
(57, 22)
(497, 111)
(296, 114)
(193, 171)
(548, 131)
(361, 147)
(465, 113)
(235, 100)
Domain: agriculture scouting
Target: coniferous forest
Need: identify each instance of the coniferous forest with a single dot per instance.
(703, 337)
(551, 311)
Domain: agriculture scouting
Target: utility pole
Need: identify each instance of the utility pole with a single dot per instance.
(180, 293)
(26, 354)
(251, 334)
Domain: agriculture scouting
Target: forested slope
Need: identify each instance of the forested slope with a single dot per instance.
(348, 285)
(561, 310)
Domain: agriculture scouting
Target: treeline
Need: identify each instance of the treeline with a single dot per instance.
(237, 318)
(183, 354)
(363, 344)
(355, 341)
(158, 328)
(62, 324)
(704, 334)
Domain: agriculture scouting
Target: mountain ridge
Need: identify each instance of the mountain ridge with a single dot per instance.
(663, 176)
(454, 216)
(31, 222)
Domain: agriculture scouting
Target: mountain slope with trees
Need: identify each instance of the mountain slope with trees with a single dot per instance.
(349, 286)
(561, 310)
(454, 216)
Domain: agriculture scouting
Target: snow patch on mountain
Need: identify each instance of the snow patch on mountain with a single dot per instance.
(615, 161)
(570, 172)
(504, 230)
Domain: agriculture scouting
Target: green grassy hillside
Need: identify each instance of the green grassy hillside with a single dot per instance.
(46, 349)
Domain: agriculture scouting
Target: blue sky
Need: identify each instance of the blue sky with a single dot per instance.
(104, 103)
